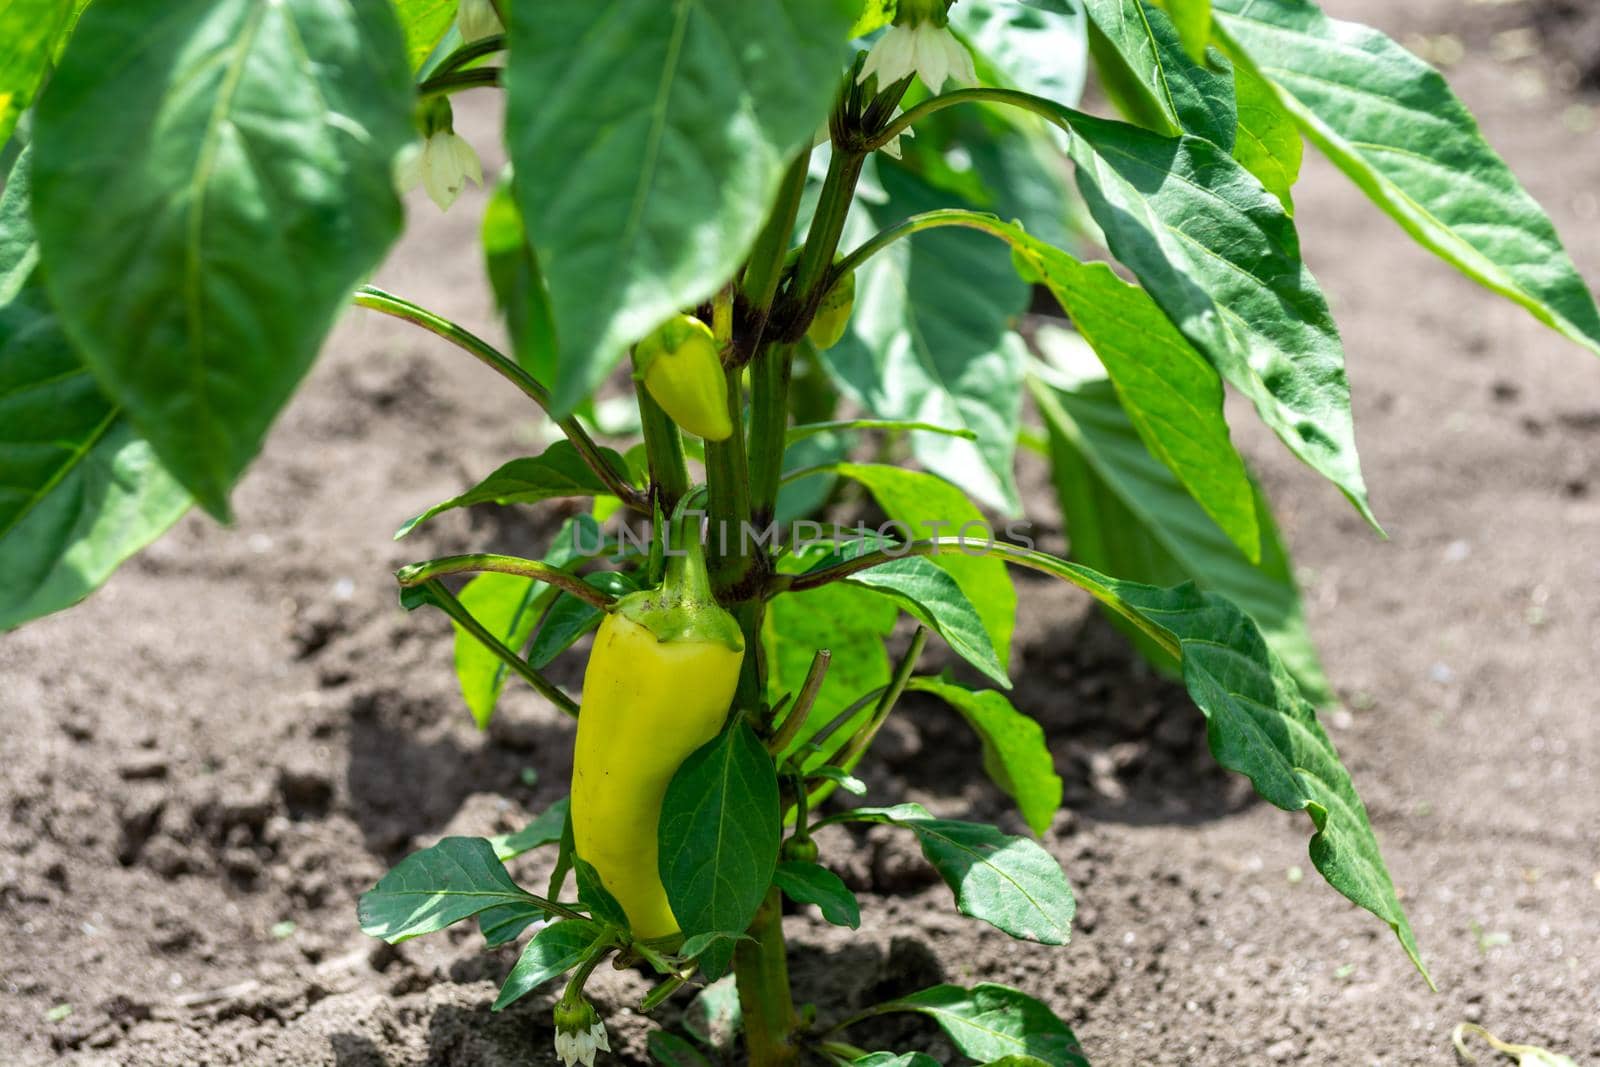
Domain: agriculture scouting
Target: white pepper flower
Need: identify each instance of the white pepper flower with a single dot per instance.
(442, 164)
(580, 1046)
(926, 49)
(477, 19)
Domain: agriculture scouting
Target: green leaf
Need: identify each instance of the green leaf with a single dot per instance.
(1192, 18)
(991, 1021)
(1128, 515)
(31, 30)
(1392, 124)
(544, 830)
(844, 780)
(593, 892)
(1146, 72)
(519, 286)
(1259, 725)
(508, 606)
(649, 140)
(811, 883)
(929, 595)
(1269, 144)
(504, 923)
(1009, 882)
(1016, 754)
(551, 953)
(1172, 395)
(719, 836)
(670, 1050)
(1235, 287)
(715, 1016)
(81, 492)
(570, 618)
(1038, 50)
(212, 177)
(894, 1059)
(850, 621)
(559, 471)
(931, 340)
(424, 22)
(927, 505)
(428, 890)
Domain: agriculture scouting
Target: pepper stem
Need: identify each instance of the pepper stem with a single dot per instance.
(687, 577)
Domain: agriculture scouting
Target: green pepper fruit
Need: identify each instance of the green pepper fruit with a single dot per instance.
(833, 314)
(682, 369)
(659, 683)
(800, 851)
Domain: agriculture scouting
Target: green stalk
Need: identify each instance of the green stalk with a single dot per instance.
(762, 969)
(769, 428)
(419, 573)
(663, 447)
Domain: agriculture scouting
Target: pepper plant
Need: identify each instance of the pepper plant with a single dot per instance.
(809, 229)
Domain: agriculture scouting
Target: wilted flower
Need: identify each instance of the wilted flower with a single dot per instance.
(442, 164)
(477, 19)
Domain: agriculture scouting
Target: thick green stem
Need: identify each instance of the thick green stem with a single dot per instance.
(769, 428)
(663, 447)
(838, 190)
(762, 967)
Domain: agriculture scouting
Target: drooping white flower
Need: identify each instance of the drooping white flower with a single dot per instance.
(580, 1043)
(477, 19)
(925, 49)
(442, 164)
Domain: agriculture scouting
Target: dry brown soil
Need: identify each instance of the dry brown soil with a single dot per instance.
(242, 730)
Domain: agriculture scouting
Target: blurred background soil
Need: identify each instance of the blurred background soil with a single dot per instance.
(206, 762)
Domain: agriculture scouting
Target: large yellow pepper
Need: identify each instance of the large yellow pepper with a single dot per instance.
(683, 371)
(659, 683)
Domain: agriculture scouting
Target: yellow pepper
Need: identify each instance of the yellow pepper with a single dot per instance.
(683, 371)
(833, 314)
(659, 683)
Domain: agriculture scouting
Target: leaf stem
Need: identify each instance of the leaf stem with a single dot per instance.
(1049, 111)
(811, 429)
(802, 704)
(446, 602)
(420, 573)
(456, 81)
(864, 737)
(375, 299)
(467, 53)
(972, 220)
(1084, 578)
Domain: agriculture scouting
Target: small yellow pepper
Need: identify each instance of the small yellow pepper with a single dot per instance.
(683, 371)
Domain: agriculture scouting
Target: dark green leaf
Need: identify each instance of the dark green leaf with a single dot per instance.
(1235, 287)
(1145, 70)
(990, 1021)
(81, 492)
(559, 472)
(504, 923)
(931, 340)
(715, 1016)
(848, 782)
(544, 830)
(896, 1059)
(929, 506)
(429, 890)
(929, 595)
(670, 1050)
(1391, 123)
(649, 140)
(811, 883)
(1008, 882)
(1128, 515)
(570, 618)
(31, 30)
(719, 837)
(551, 953)
(593, 892)
(519, 287)
(1172, 395)
(212, 179)
(1016, 754)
